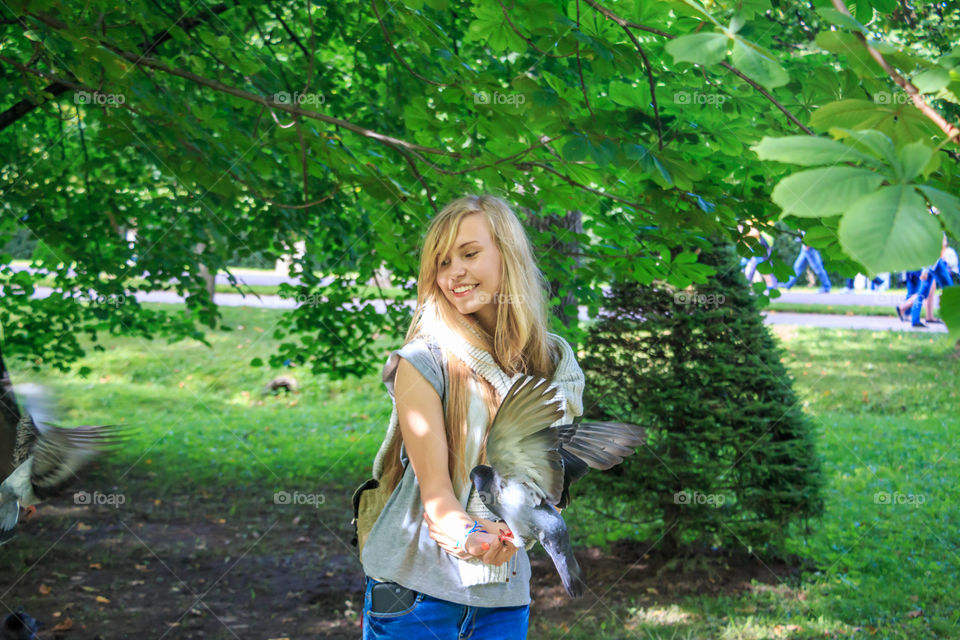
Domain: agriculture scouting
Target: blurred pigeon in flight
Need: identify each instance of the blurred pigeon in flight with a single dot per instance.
(43, 457)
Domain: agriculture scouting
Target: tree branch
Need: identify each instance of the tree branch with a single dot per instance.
(574, 183)
(506, 16)
(396, 54)
(729, 67)
(289, 108)
(583, 86)
(259, 196)
(766, 95)
(912, 91)
(27, 105)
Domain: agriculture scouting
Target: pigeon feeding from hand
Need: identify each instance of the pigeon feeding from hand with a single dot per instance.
(532, 464)
(44, 457)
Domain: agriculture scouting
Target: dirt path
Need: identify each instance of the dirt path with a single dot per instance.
(187, 568)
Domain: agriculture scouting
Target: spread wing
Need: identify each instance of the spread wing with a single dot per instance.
(522, 444)
(600, 444)
(60, 453)
(594, 445)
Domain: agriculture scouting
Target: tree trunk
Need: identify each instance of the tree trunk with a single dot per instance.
(9, 419)
(205, 273)
(556, 250)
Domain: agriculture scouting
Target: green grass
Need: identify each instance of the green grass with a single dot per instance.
(885, 409)
(884, 405)
(832, 309)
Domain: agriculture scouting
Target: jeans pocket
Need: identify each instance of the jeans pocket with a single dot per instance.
(396, 593)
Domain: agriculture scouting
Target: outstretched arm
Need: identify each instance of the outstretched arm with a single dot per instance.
(420, 415)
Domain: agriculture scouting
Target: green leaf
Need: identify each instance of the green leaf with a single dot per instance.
(576, 148)
(491, 28)
(841, 19)
(650, 164)
(950, 310)
(931, 80)
(629, 96)
(699, 48)
(758, 66)
(891, 230)
(948, 205)
(849, 45)
(827, 191)
(808, 151)
(874, 142)
(913, 158)
(900, 121)
(820, 237)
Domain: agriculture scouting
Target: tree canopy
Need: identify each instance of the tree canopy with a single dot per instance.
(237, 129)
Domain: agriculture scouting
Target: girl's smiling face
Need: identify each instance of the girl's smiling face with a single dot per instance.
(474, 259)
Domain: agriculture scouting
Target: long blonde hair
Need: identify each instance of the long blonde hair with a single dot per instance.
(520, 342)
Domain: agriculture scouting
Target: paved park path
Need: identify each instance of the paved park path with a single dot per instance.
(772, 316)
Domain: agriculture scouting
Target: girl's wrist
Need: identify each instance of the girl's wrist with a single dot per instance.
(473, 527)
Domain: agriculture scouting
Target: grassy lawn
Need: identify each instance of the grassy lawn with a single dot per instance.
(201, 475)
(832, 309)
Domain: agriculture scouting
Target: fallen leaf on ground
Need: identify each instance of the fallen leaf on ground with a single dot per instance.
(66, 625)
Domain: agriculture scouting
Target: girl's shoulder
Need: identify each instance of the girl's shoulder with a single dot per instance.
(561, 348)
(424, 354)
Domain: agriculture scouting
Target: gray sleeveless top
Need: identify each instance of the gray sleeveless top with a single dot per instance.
(399, 547)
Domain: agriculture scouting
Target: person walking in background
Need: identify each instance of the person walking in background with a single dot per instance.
(916, 293)
(921, 287)
(810, 256)
(766, 241)
(942, 277)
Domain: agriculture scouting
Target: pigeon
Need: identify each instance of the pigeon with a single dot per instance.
(19, 626)
(531, 464)
(43, 457)
(287, 383)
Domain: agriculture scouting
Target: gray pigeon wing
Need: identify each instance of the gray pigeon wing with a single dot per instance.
(601, 445)
(596, 445)
(521, 443)
(60, 453)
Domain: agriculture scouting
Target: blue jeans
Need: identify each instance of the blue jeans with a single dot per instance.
(939, 272)
(811, 256)
(438, 619)
(752, 268)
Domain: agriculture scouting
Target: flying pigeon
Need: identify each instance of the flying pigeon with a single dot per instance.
(43, 457)
(532, 464)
